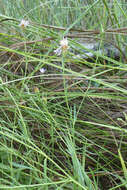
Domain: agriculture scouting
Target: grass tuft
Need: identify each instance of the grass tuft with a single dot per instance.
(63, 117)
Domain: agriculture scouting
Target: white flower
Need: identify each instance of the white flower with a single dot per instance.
(63, 46)
(64, 43)
(58, 51)
(42, 70)
(24, 23)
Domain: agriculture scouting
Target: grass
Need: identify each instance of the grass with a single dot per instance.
(64, 129)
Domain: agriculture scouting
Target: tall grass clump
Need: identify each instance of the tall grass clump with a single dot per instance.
(63, 117)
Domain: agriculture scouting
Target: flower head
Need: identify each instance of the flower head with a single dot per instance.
(42, 70)
(24, 23)
(58, 51)
(63, 46)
